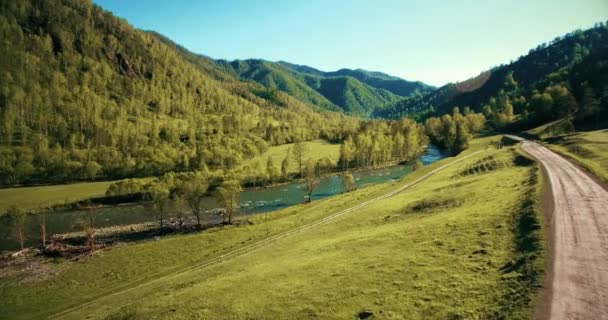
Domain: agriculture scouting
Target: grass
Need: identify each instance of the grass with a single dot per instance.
(460, 257)
(551, 129)
(589, 149)
(317, 149)
(32, 198)
(43, 196)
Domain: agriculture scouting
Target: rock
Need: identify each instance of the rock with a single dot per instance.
(365, 314)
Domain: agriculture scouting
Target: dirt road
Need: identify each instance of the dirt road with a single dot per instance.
(579, 285)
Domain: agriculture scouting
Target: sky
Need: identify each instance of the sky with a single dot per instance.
(434, 41)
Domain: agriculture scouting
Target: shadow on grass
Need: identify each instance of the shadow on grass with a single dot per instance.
(525, 272)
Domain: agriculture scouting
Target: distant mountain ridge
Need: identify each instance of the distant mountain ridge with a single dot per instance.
(544, 65)
(357, 92)
(375, 79)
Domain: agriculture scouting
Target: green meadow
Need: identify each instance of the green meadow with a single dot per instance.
(589, 149)
(317, 149)
(32, 198)
(465, 243)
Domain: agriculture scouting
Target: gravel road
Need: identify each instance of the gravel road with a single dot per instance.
(579, 282)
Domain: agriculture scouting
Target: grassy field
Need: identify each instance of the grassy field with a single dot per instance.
(31, 198)
(317, 149)
(44, 196)
(589, 149)
(463, 244)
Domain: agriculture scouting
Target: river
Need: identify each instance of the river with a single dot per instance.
(251, 202)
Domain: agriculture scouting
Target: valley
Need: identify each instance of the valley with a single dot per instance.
(141, 178)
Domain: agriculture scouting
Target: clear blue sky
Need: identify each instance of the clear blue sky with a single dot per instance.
(435, 41)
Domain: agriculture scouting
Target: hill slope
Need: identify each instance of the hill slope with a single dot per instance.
(357, 92)
(374, 79)
(430, 252)
(544, 66)
(84, 95)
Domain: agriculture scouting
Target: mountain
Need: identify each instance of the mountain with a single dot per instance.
(84, 95)
(357, 92)
(544, 66)
(374, 79)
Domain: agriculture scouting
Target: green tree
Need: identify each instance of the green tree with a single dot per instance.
(590, 105)
(348, 182)
(347, 153)
(311, 180)
(272, 170)
(286, 164)
(157, 195)
(462, 138)
(194, 191)
(227, 196)
(299, 151)
(91, 169)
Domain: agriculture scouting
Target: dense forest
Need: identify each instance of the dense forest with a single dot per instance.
(86, 96)
(356, 92)
(563, 79)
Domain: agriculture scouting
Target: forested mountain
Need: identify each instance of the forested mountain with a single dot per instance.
(84, 95)
(564, 64)
(357, 92)
(375, 79)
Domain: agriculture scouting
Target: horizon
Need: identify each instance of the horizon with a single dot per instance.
(239, 30)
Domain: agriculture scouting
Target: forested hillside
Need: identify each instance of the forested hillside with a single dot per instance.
(84, 95)
(548, 83)
(356, 92)
(375, 79)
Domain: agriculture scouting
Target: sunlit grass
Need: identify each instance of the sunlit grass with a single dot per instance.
(589, 149)
(447, 261)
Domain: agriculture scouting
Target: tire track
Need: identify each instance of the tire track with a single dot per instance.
(261, 243)
(578, 288)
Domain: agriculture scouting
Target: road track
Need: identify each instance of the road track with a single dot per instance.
(578, 225)
(264, 242)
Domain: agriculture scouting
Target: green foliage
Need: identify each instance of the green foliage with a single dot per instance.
(226, 195)
(125, 187)
(348, 182)
(546, 84)
(357, 92)
(157, 196)
(194, 190)
(84, 95)
(460, 261)
(383, 143)
(454, 132)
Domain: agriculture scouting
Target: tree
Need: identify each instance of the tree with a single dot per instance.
(91, 169)
(43, 214)
(417, 165)
(157, 195)
(311, 180)
(194, 191)
(347, 152)
(299, 150)
(16, 217)
(590, 105)
(272, 170)
(462, 138)
(90, 211)
(227, 196)
(348, 182)
(286, 164)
